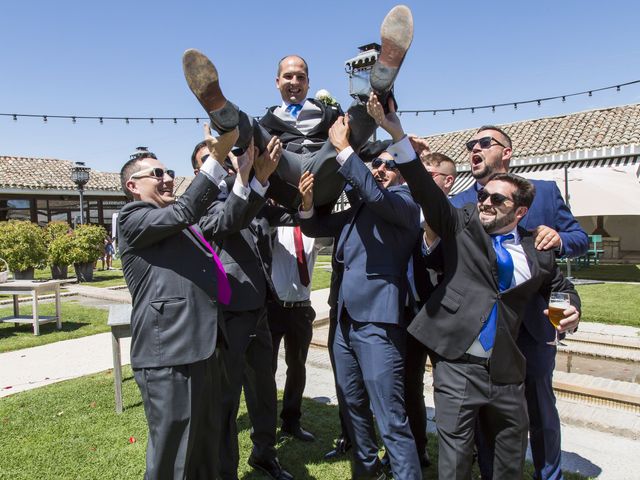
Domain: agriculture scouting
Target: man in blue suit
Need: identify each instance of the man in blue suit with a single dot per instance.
(490, 151)
(376, 236)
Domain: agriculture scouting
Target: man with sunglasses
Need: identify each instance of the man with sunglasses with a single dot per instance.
(492, 270)
(555, 228)
(375, 239)
(177, 290)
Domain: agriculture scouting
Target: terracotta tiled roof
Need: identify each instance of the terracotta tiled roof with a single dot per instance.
(609, 127)
(54, 174)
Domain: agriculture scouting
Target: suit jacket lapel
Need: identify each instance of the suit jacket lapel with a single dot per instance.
(194, 238)
(531, 253)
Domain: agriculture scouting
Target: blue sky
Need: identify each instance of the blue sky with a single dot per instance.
(123, 58)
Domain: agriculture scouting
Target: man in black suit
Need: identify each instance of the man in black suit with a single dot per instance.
(176, 290)
(472, 319)
(245, 253)
(424, 280)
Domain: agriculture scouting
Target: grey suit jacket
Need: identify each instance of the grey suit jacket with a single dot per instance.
(454, 313)
(245, 251)
(172, 280)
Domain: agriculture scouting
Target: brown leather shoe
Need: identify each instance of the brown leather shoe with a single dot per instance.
(202, 78)
(396, 35)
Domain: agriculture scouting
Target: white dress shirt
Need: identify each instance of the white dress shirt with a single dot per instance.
(284, 268)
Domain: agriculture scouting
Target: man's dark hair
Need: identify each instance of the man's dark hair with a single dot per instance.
(132, 166)
(306, 67)
(435, 159)
(525, 190)
(194, 163)
(497, 129)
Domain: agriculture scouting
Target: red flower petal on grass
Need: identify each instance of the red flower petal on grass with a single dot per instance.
(132, 439)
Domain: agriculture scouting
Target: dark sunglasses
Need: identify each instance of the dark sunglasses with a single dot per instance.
(388, 164)
(156, 172)
(497, 199)
(484, 142)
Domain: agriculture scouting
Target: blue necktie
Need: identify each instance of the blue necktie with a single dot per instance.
(505, 274)
(294, 109)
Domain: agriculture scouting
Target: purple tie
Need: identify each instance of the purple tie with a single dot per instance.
(224, 289)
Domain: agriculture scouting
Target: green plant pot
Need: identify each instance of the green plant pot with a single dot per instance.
(59, 272)
(24, 274)
(84, 271)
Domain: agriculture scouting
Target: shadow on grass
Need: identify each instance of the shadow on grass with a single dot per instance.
(47, 328)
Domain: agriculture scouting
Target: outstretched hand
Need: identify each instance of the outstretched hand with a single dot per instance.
(389, 122)
(420, 146)
(243, 163)
(305, 187)
(339, 133)
(546, 238)
(267, 162)
(219, 147)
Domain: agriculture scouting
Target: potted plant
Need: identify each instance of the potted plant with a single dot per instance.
(22, 245)
(87, 248)
(59, 244)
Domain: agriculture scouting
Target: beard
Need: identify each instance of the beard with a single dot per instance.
(487, 171)
(498, 222)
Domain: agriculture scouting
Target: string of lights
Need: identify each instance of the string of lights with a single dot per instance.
(434, 111)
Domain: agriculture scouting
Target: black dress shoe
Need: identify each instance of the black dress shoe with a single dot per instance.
(341, 448)
(299, 433)
(396, 35)
(272, 468)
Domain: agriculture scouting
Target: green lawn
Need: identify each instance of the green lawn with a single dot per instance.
(611, 303)
(70, 430)
(615, 273)
(77, 321)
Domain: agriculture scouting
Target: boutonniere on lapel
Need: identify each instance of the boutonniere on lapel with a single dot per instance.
(325, 97)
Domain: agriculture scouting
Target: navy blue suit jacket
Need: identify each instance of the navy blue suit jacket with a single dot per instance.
(548, 208)
(375, 240)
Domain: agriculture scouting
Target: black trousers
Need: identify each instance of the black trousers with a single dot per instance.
(182, 407)
(246, 364)
(294, 325)
(414, 368)
(465, 394)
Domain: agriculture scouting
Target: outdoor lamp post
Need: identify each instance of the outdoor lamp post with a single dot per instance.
(359, 68)
(80, 176)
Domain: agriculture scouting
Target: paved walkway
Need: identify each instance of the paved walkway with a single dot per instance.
(593, 453)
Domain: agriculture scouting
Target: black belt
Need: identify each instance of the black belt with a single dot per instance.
(468, 358)
(301, 303)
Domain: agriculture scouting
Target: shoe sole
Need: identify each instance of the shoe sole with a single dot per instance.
(202, 78)
(396, 34)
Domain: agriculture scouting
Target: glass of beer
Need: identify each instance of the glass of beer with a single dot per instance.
(558, 303)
